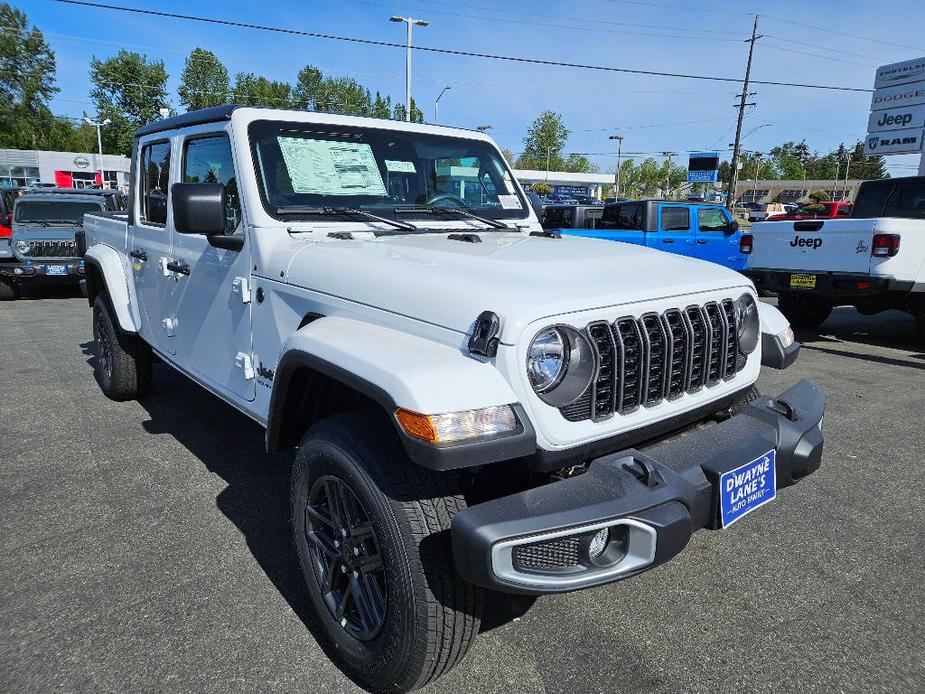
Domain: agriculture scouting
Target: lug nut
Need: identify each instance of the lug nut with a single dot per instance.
(337, 543)
(356, 551)
(343, 569)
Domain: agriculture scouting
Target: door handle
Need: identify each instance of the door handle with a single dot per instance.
(702, 241)
(139, 254)
(177, 266)
(667, 240)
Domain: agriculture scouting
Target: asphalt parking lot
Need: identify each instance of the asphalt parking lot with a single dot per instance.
(145, 547)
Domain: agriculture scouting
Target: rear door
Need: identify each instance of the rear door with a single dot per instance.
(830, 245)
(149, 238)
(714, 241)
(675, 232)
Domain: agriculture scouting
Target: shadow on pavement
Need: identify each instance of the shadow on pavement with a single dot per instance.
(893, 329)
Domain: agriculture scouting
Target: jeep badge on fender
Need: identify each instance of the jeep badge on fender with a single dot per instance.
(808, 243)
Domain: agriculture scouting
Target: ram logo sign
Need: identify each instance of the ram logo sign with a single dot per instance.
(894, 142)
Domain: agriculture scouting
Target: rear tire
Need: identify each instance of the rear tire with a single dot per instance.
(804, 311)
(425, 616)
(8, 291)
(919, 314)
(123, 362)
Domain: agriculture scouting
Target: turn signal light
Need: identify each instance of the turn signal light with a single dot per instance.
(885, 245)
(745, 244)
(453, 427)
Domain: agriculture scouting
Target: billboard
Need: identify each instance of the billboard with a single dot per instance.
(703, 167)
(897, 109)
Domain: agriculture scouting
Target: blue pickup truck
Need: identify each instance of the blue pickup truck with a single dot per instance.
(700, 230)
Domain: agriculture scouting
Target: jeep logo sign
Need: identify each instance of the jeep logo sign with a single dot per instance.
(896, 119)
(806, 243)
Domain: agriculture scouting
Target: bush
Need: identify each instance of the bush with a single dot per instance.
(541, 188)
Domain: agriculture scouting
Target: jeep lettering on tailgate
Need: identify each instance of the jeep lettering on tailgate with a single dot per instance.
(805, 242)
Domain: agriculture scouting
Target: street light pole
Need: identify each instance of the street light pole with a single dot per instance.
(409, 23)
(619, 139)
(99, 141)
(668, 172)
(437, 104)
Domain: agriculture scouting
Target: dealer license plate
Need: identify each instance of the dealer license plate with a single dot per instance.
(56, 269)
(746, 488)
(803, 281)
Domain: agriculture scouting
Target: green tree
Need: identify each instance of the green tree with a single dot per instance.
(130, 90)
(257, 90)
(307, 86)
(541, 188)
(544, 142)
(417, 116)
(508, 156)
(343, 95)
(382, 107)
(579, 163)
(204, 81)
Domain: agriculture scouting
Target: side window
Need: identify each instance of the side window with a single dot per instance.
(155, 184)
(676, 219)
(711, 219)
(208, 160)
(622, 217)
(844, 211)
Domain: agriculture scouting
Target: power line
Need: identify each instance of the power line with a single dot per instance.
(830, 30)
(447, 51)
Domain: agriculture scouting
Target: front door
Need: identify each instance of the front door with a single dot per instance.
(149, 242)
(210, 305)
(715, 242)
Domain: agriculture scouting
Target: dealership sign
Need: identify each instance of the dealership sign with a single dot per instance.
(702, 167)
(897, 120)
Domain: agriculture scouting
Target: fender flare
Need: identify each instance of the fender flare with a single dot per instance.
(109, 264)
(395, 369)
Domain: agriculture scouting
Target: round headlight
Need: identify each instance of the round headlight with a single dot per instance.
(22, 247)
(748, 329)
(560, 365)
(547, 358)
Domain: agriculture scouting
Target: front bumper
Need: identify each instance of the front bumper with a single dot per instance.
(37, 271)
(828, 284)
(653, 499)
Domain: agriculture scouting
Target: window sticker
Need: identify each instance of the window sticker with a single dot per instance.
(510, 202)
(400, 166)
(323, 167)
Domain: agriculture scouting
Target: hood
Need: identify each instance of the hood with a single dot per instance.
(521, 278)
(64, 232)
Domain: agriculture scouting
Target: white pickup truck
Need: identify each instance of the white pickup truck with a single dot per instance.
(475, 403)
(874, 260)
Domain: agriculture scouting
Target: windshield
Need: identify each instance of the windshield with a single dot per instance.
(306, 166)
(50, 212)
(817, 208)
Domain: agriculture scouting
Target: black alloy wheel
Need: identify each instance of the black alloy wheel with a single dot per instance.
(103, 345)
(345, 557)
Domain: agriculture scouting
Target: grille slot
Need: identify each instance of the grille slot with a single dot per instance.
(53, 249)
(561, 553)
(644, 361)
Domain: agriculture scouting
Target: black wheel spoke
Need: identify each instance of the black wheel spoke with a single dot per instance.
(342, 604)
(366, 610)
(323, 544)
(331, 575)
(318, 515)
(377, 598)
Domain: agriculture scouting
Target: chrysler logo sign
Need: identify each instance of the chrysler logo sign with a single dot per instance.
(81, 162)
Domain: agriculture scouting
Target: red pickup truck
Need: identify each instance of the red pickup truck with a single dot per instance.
(816, 210)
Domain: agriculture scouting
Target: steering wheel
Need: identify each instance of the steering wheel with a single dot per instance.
(447, 196)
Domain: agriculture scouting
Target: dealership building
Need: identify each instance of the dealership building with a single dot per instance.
(23, 167)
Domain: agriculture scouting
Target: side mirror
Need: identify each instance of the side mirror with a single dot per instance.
(731, 228)
(198, 208)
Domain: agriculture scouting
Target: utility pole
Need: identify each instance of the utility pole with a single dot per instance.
(409, 23)
(619, 139)
(835, 181)
(99, 141)
(734, 175)
(847, 168)
(668, 172)
(548, 153)
(757, 169)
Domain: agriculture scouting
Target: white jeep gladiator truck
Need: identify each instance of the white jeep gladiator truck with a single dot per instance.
(874, 260)
(474, 403)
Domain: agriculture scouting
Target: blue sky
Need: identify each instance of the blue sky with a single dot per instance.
(654, 114)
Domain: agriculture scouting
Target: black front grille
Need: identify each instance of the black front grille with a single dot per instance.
(53, 249)
(644, 361)
(560, 553)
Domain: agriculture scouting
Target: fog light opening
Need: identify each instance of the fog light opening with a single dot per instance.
(606, 547)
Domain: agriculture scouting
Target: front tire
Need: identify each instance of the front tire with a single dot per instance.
(413, 618)
(804, 311)
(123, 362)
(8, 291)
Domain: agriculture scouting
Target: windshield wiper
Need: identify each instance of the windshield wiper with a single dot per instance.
(34, 221)
(340, 211)
(74, 222)
(429, 209)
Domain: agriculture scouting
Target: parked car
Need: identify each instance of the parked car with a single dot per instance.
(874, 260)
(7, 200)
(815, 210)
(113, 199)
(474, 403)
(761, 211)
(46, 240)
(587, 200)
(705, 231)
